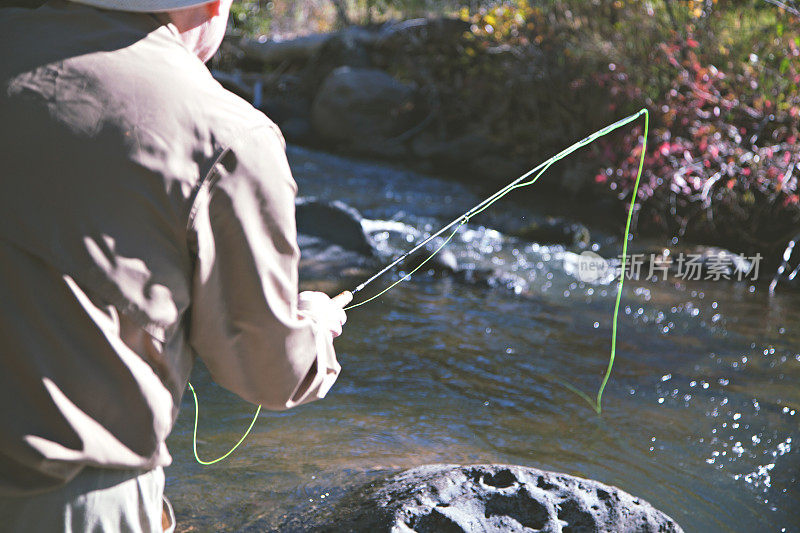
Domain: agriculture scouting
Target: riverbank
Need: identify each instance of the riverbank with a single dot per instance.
(481, 97)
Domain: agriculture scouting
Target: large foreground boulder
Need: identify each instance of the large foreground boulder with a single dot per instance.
(454, 498)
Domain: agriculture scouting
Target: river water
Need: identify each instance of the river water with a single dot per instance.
(701, 415)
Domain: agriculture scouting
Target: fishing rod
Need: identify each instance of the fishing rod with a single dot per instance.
(463, 219)
(484, 204)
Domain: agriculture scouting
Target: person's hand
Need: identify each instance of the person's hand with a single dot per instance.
(327, 312)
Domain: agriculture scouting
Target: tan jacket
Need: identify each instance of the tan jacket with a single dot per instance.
(147, 216)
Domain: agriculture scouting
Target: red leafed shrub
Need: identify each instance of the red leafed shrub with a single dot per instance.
(721, 164)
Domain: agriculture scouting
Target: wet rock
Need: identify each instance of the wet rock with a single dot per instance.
(335, 222)
(543, 230)
(555, 231)
(404, 238)
(359, 106)
(331, 232)
(454, 498)
(444, 261)
(329, 267)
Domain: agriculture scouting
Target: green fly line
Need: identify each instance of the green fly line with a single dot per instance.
(523, 181)
(194, 433)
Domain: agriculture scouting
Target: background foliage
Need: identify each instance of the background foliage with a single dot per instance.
(721, 77)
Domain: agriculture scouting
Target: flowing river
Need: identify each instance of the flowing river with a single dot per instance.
(701, 416)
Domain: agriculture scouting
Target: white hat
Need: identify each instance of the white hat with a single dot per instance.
(143, 6)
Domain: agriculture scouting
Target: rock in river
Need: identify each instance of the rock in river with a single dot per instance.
(333, 221)
(455, 498)
(360, 106)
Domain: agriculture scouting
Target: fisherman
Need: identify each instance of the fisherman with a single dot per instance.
(148, 217)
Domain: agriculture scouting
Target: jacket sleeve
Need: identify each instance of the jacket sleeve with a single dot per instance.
(244, 320)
